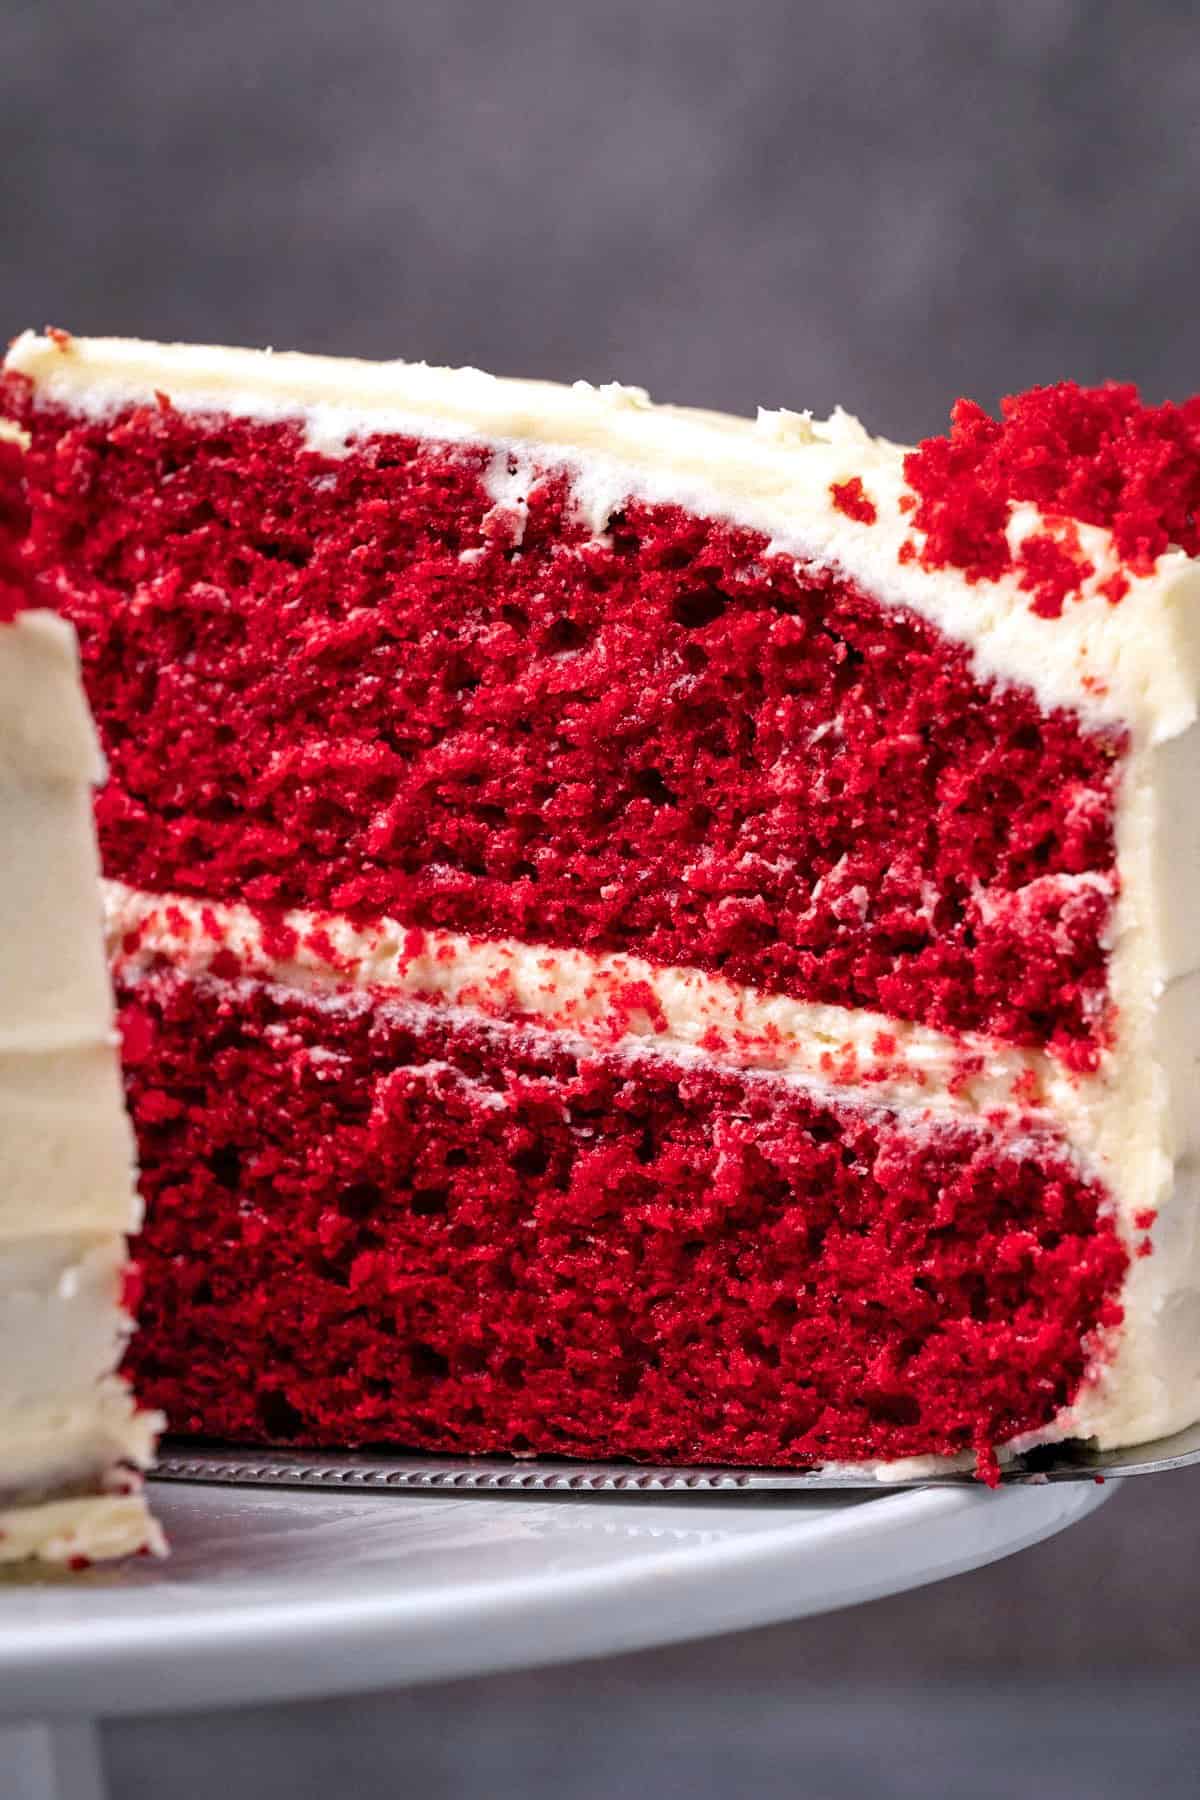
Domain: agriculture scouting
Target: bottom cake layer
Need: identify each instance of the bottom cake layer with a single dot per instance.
(380, 1223)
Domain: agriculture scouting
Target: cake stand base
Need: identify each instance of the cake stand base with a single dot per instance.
(55, 1761)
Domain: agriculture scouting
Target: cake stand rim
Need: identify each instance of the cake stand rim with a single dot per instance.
(80, 1658)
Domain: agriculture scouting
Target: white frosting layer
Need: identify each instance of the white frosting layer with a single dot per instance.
(1151, 1385)
(1135, 663)
(67, 1421)
(623, 1002)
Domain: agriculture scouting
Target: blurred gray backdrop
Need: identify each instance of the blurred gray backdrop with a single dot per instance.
(882, 203)
(729, 202)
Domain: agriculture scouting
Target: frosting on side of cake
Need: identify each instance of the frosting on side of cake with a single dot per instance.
(1137, 662)
(1151, 1081)
(71, 1438)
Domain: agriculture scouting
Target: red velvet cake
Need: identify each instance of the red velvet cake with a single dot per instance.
(637, 934)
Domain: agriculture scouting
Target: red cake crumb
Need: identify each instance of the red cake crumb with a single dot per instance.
(137, 1039)
(132, 1287)
(1053, 568)
(14, 522)
(377, 1224)
(319, 683)
(851, 498)
(1097, 455)
(987, 1465)
(1026, 1088)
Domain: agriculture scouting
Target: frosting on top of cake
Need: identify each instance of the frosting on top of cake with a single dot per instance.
(825, 492)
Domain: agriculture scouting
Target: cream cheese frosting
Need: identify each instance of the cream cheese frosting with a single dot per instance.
(624, 1003)
(71, 1437)
(1150, 1385)
(1135, 665)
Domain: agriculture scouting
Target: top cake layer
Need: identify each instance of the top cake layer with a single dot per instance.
(418, 679)
(986, 570)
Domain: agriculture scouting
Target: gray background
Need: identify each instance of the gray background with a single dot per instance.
(877, 204)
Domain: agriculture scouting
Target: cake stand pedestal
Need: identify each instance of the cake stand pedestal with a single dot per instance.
(274, 1595)
(51, 1761)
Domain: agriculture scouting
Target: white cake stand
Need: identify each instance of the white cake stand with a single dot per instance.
(276, 1595)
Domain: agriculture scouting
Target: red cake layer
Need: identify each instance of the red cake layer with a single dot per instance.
(373, 1223)
(357, 685)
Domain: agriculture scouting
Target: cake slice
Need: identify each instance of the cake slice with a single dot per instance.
(71, 1440)
(639, 933)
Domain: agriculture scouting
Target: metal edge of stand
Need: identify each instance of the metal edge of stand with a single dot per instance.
(363, 1471)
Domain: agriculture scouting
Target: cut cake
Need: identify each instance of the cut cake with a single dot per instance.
(638, 933)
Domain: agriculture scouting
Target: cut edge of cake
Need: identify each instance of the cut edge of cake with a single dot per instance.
(1125, 650)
